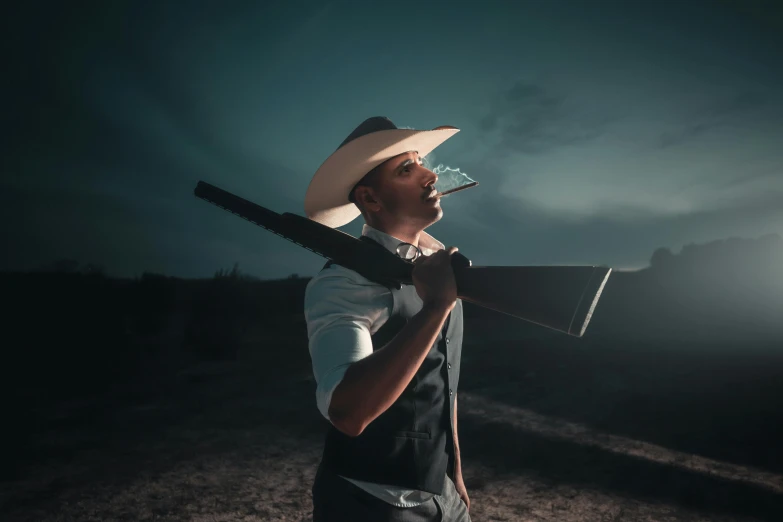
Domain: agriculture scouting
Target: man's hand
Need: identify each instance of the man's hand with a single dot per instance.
(463, 493)
(434, 280)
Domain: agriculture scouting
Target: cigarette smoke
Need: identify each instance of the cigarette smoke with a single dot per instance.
(449, 178)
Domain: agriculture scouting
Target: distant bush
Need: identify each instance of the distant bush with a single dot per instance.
(72, 266)
(224, 308)
(235, 274)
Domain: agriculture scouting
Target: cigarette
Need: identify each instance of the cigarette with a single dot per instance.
(451, 191)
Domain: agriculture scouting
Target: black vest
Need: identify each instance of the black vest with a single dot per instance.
(411, 444)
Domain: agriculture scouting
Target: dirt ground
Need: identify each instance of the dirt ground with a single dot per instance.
(552, 443)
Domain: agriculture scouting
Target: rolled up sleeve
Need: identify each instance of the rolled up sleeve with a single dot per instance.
(342, 310)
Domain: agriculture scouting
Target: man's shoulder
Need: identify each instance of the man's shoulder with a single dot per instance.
(336, 277)
(339, 290)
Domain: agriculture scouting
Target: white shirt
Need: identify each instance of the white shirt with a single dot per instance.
(343, 310)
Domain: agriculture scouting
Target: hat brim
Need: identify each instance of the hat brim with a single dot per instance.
(326, 200)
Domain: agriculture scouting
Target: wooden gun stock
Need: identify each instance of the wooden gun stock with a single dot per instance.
(559, 297)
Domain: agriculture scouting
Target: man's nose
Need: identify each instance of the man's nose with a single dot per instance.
(430, 179)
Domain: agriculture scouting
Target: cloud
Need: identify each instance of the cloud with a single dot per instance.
(753, 179)
(619, 177)
(719, 113)
(528, 118)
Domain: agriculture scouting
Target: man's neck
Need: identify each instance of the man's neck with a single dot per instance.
(403, 234)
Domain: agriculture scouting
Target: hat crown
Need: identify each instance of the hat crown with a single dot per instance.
(368, 126)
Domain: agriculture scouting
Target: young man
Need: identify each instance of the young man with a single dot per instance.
(386, 360)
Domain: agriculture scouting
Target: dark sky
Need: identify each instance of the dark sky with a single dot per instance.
(598, 130)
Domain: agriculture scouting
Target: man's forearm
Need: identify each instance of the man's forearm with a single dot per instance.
(373, 383)
(457, 459)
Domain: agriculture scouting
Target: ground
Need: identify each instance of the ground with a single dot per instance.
(553, 433)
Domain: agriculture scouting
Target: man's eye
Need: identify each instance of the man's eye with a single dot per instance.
(407, 168)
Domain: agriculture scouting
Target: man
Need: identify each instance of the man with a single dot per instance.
(386, 360)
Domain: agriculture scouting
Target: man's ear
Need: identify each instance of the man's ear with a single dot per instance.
(366, 198)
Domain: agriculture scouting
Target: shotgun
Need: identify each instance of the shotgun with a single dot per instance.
(562, 298)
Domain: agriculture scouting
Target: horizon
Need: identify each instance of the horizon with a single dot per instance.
(77, 266)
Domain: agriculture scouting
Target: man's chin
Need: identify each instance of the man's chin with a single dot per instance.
(436, 216)
(427, 217)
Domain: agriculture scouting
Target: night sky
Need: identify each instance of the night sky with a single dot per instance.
(599, 131)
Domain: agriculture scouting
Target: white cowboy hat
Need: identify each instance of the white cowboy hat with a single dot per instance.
(374, 141)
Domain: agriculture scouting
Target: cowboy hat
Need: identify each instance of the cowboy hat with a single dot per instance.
(374, 141)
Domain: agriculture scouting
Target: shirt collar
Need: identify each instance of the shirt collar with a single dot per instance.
(427, 244)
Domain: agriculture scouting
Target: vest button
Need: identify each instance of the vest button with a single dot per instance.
(449, 366)
(451, 392)
(447, 340)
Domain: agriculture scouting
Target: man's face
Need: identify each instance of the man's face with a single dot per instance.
(403, 189)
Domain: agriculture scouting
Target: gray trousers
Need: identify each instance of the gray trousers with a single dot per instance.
(337, 500)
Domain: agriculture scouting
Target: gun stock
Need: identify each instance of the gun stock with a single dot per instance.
(562, 298)
(559, 297)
